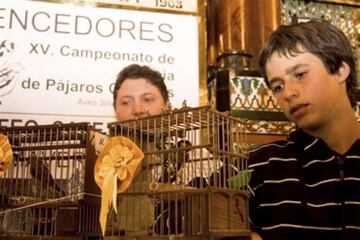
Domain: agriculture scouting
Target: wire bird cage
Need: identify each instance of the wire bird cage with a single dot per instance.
(49, 189)
(192, 182)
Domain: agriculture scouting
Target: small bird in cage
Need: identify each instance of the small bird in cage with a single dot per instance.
(175, 159)
(45, 183)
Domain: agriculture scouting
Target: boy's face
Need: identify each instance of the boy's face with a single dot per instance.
(136, 98)
(307, 93)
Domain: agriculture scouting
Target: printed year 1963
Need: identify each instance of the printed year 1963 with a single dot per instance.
(177, 4)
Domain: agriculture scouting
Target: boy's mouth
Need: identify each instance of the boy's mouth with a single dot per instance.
(298, 107)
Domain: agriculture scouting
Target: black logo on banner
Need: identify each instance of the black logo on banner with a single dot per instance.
(9, 70)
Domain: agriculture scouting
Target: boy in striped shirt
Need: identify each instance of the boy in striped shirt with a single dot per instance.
(308, 187)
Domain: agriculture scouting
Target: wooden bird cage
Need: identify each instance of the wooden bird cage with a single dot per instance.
(49, 189)
(190, 184)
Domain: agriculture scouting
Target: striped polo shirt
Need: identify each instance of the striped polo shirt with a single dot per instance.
(301, 189)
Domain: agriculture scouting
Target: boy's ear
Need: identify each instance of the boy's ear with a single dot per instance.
(344, 72)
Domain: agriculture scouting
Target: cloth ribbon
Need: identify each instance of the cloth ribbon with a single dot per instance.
(115, 169)
(6, 154)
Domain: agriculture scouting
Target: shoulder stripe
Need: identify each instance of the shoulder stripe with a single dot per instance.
(300, 226)
(322, 182)
(332, 180)
(352, 203)
(272, 159)
(311, 144)
(283, 180)
(353, 227)
(256, 187)
(276, 182)
(280, 203)
(327, 204)
(352, 179)
(271, 144)
(257, 164)
(323, 204)
(282, 159)
(353, 156)
(318, 161)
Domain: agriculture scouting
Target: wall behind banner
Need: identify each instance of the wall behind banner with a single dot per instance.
(58, 62)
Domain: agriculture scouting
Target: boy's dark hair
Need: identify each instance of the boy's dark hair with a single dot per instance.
(320, 38)
(134, 71)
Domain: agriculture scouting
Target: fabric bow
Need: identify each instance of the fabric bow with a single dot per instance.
(6, 154)
(115, 168)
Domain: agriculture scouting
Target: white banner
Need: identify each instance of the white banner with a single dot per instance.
(58, 62)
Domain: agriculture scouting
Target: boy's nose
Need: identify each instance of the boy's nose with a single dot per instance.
(290, 92)
(138, 109)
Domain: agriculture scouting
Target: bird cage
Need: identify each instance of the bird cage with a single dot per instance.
(49, 188)
(192, 182)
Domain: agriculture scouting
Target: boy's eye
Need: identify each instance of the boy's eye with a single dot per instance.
(277, 87)
(125, 102)
(148, 98)
(300, 75)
